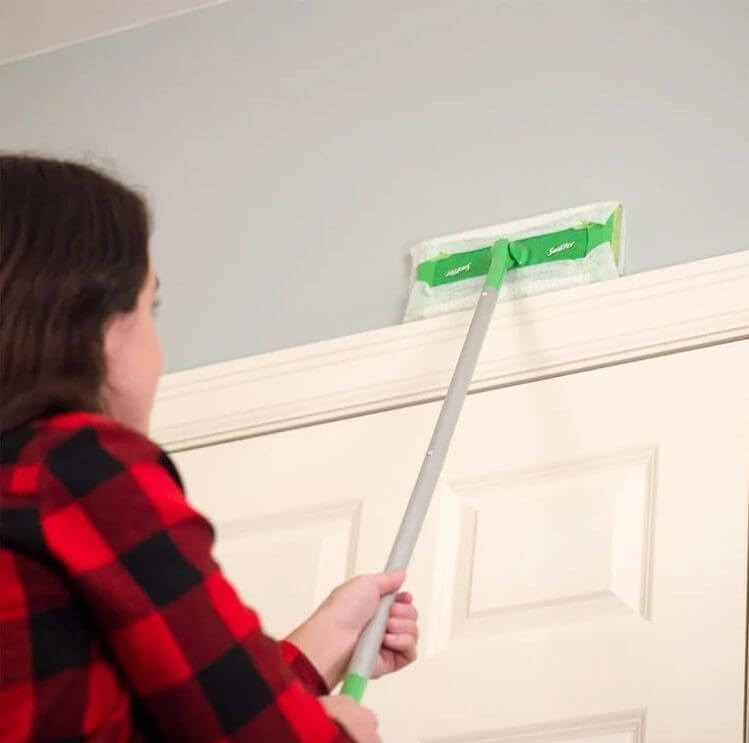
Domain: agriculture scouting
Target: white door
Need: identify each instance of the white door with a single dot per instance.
(581, 575)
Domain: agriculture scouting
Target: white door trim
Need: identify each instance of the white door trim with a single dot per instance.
(673, 309)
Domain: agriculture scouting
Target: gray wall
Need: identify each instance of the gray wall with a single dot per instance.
(292, 150)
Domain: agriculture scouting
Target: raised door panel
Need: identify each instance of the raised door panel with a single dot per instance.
(581, 574)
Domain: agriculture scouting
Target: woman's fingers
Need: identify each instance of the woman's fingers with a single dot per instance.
(404, 611)
(398, 626)
(404, 645)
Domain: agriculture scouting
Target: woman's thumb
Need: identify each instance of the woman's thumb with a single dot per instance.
(390, 582)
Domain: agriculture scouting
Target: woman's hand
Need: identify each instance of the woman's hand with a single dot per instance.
(329, 636)
(355, 602)
(359, 722)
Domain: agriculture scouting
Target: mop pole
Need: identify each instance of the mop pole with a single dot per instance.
(504, 257)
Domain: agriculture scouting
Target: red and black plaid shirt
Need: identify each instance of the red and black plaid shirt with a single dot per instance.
(116, 624)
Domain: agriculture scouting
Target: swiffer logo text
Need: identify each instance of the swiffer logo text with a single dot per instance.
(458, 270)
(561, 248)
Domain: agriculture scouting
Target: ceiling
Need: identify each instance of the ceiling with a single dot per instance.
(29, 27)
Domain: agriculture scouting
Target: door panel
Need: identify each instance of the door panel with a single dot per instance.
(581, 574)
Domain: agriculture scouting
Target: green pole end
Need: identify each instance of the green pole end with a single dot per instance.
(502, 260)
(354, 686)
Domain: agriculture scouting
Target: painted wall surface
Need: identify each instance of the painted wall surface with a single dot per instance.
(292, 150)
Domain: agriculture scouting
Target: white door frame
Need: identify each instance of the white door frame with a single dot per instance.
(634, 317)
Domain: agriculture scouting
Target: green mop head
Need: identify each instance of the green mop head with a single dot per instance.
(561, 249)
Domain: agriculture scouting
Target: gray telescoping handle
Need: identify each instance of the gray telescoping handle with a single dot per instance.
(370, 641)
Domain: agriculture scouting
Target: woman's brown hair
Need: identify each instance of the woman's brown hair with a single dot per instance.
(73, 253)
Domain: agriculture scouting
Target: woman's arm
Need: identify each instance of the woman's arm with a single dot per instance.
(114, 515)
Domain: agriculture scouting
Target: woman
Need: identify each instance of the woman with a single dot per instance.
(117, 625)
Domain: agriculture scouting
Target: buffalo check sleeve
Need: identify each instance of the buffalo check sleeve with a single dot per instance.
(196, 658)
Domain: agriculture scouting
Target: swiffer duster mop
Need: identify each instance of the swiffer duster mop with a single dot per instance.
(550, 252)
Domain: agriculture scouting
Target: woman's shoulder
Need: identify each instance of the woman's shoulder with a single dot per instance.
(81, 449)
(74, 432)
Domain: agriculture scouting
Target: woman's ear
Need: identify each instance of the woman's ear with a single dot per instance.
(113, 341)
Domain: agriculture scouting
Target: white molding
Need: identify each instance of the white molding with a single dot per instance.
(633, 317)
